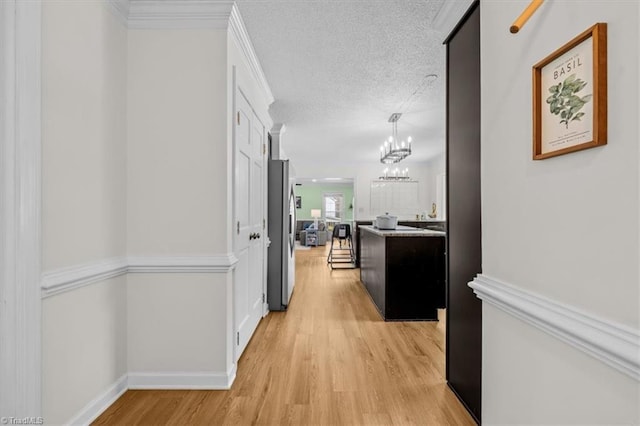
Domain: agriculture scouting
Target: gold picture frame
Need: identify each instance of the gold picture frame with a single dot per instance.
(570, 96)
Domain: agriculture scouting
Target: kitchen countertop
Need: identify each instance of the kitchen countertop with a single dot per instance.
(403, 231)
(404, 220)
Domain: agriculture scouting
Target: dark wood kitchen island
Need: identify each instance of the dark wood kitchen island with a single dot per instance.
(403, 271)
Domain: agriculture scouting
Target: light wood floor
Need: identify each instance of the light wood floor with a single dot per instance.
(328, 360)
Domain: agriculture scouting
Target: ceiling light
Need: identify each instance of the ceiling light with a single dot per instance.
(393, 150)
(395, 174)
(332, 178)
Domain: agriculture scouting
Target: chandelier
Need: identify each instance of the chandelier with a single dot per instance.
(396, 174)
(393, 150)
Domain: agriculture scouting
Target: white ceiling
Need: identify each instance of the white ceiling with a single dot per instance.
(339, 68)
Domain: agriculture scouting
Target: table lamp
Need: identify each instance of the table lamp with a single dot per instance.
(315, 214)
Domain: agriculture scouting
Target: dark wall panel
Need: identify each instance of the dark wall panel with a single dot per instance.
(464, 248)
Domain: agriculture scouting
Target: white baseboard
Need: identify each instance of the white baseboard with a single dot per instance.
(182, 380)
(152, 380)
(616, 345)
(98, 405)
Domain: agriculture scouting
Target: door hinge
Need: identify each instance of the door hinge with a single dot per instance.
(238, 117)
(238, 338)
(264, 223)
(264, 148)
(263, 297)
(238, 227)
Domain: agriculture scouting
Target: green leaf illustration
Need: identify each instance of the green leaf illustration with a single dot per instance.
(565, 102)
(578, 116)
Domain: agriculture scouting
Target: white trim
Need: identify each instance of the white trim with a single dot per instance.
(278, 129)
(182, 380)
(75, 277)
(153, 380)
(179, 14)
(20, 208)
(183, 264)
(449, 15)
(197, 14)
(241, 35)
(98, 405)
(120, 9)
(614, 344)
(277, 153)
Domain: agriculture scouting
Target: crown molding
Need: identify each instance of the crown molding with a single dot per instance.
(179, 14)
(239, 31)
(195, 14)
(614, 344)
(278, 129)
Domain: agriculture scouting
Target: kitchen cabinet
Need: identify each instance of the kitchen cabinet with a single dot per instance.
(434, 225)
(403, 271)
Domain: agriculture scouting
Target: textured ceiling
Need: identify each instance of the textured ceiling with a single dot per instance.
(339, 69)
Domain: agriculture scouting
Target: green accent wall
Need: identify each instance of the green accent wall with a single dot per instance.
(312, 199)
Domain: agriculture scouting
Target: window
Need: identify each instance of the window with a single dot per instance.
(333, 206)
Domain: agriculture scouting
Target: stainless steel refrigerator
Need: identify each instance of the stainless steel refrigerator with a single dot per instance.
(282, 224)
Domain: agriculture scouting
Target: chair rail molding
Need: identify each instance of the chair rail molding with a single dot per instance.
(74, 277)
(183, 264)
(616, 345)
(20, 208)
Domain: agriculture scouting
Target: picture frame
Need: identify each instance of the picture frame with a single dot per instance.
(298, 202)
(570, 96)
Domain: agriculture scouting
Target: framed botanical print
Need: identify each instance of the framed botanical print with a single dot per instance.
(570, 96)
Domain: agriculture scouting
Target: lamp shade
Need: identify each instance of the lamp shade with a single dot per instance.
(316, 213)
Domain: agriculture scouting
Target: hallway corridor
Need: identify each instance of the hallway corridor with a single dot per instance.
(328, 360)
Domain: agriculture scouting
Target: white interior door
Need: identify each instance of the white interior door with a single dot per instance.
(248, 290)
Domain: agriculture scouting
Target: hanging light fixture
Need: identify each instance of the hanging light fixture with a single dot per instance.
(393, 150)
(395, 174)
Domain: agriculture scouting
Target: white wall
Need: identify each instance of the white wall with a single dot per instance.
(84, 116)
(565, 228)
(177, 125)
(137, 165)
(178, 183)
(436, 168)
(84, 347)
(363, 174)
(84, 201)
(176, 323)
